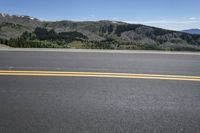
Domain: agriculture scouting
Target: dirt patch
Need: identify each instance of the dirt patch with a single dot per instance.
(4, 46)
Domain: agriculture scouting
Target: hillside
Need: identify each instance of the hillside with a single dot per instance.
(25, 31)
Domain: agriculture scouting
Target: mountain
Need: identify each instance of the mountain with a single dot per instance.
(14, 25)
(192, 31)
(26, 31)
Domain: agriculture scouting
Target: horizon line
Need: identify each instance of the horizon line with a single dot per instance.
(151, 23)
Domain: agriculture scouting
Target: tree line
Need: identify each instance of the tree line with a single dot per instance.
(42, 38)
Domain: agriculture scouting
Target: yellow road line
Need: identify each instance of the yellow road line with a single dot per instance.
(97, 74)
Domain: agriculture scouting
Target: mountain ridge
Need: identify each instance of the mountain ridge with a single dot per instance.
(192, 31)
(103, 34)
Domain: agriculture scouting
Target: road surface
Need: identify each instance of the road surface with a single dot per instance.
(92, 104)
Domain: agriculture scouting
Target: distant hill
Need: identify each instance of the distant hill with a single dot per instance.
(192, 31)
(26, 31)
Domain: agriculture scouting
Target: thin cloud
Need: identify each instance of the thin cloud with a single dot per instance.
(163, 22)
(192, 18)
(115, 18)
(170, 24)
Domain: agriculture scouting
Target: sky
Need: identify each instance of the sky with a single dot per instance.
(168, 14)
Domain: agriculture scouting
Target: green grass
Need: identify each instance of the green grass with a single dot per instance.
(76, 45)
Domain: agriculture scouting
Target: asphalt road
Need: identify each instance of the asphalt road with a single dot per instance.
(42, 104)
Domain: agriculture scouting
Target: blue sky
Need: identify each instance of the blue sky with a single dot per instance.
(170, 14)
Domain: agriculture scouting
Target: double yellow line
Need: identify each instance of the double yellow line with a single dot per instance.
(97, 74)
